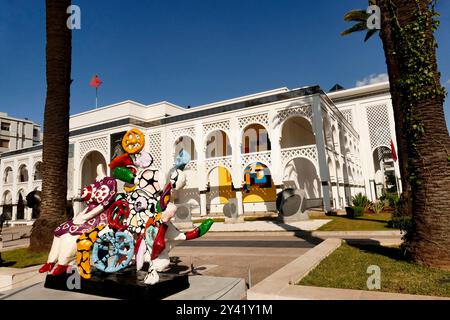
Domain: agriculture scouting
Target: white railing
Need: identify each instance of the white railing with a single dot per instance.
(263, 157)
(211, 163)
(309, 152)
(192, 165)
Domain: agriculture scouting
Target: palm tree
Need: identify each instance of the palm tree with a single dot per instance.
(407, 33)
(360, 18)
(56, 125)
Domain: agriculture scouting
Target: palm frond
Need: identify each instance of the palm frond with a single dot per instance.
(356, 15)
(369, 34)
(360, 26)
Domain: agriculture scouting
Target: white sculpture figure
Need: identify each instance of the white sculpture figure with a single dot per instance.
(98, 196)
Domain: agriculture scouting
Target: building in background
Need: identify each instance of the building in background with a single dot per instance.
(244, 150)
(18, 134)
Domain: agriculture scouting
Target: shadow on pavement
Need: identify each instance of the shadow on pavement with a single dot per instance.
(299, 233)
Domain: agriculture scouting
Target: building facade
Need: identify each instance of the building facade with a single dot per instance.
(244, 150)
(18, 133)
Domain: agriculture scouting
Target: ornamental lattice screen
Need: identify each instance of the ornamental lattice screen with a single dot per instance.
(348, 115)
(379, 126)
(154, 145)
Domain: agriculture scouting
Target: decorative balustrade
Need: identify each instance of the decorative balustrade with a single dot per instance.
(262, 157)
(226, 162)
(308, 152)
(192, 165)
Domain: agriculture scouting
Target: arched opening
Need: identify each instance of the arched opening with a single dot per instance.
(347, 145)
(259, 188)
(301, 174)
(23, 173)
(304, 134)
(8, 176)
(335, 137)
(38, 171)
(89, 167)
(220, 187)
(217, 145)
(187, 144)
(34, 201)
(20, 205)
(7, 205)
(384, 168)
(331, 172)
(327, 132)
(255, 138)
(342, 142)
(346, 175)
(188, 198)
(340, 192)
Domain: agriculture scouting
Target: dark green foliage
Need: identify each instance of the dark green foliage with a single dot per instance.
(360, 200)
(402, 223)
(358, 211)
(391, 198)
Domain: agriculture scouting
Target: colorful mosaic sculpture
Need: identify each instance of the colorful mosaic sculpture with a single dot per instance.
(119, 229)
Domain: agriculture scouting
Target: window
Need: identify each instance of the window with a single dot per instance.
(5, 126)
(4, 143)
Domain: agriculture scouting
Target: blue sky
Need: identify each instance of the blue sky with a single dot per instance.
(191, 52)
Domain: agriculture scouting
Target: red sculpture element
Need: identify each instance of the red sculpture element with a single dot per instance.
(46, 267)
(118, 215)
(193, 234)
(123, 160)
(60, 269)
(160, 243)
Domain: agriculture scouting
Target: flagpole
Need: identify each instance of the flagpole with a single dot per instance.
(96, 97)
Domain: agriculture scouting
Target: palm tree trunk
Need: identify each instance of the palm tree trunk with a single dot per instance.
(56, 125)
(424, 158)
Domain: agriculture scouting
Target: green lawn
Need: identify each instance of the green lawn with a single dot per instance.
(368, 222)
(22, 258)
(346, 268)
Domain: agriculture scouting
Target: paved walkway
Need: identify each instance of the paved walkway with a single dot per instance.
(308, 225)
(249, 255)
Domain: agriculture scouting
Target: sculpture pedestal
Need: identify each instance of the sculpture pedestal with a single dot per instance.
(127, 285)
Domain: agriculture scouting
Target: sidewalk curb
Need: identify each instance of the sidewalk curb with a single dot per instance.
(274, 286)
(12, 278)
(339, 234)
(281, 285)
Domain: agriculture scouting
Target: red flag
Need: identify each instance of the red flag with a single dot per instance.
(394, 154)
(96, 82)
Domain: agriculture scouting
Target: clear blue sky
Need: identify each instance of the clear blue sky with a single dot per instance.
(191, 52)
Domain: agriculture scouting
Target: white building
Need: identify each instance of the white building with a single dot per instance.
(332, 146)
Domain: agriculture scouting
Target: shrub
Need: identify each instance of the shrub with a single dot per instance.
(391, 198)
(378, 206)
(358, 211)
(360, 200)
(402, 223)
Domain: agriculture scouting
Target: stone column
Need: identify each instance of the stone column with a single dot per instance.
(275, 154)
(240, 202)
(14, 212)
(203, 207)
(320, 145)
(28, 214)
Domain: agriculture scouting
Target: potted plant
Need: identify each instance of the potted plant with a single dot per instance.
(360, 202)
